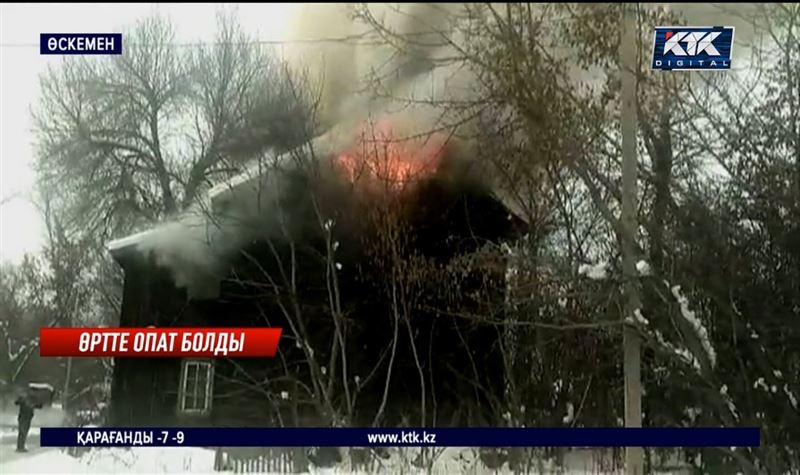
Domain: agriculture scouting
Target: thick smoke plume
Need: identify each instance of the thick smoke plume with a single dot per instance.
(197, 245)
(359, 81)
(342, 56)
(331, 51)
(344, 59)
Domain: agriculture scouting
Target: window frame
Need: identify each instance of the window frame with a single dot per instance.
(206, 365)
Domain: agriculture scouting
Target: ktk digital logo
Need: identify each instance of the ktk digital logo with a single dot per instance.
(696, 48)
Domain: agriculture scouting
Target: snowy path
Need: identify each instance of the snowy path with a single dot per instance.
(107, 461)
(13, 462)
(152, 460)
(8, 435)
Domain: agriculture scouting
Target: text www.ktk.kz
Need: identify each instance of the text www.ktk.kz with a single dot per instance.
(403, 437)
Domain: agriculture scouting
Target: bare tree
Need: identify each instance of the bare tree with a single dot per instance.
(535, 96)
(135, 138)
(22, 309)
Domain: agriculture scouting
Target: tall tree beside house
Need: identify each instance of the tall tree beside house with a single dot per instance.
(70, 277)
(134, 138)
(22, 308)
(740, 225)
(52, 289)
(719, 255)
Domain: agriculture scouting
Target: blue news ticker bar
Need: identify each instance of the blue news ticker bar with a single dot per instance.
(80, 43)
(364, 437)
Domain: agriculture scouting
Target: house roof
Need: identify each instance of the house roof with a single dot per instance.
(120, 244)
(252, 171)
(257, 169)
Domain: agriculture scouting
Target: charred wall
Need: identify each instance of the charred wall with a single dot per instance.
(410, 276)
(145, 390)
(394, 264)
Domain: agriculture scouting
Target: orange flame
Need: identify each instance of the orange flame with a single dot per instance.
(380, 155)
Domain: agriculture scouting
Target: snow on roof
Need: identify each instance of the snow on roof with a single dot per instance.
(255, 169)
(333, 139)
(41, 386)
(250, 172)
(128, 241)
(258, 168)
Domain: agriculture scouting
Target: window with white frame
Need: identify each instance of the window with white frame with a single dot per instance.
(197, 379)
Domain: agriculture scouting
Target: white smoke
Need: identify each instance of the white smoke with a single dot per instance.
(359, 75)
(198, 244)
(346, 65)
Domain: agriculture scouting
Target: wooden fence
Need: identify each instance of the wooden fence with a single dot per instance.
(257, 460)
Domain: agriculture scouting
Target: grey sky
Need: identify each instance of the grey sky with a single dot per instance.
(20, 65)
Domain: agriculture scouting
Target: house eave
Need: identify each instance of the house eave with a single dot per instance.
(258, 169)
(121, 246)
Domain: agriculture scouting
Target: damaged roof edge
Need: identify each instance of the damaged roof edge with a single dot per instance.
(254, 170)
(118, 245)
(258, 168)
(251, 171)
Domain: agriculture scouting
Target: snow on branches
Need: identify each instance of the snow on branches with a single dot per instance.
(697, 325)
(594, 271)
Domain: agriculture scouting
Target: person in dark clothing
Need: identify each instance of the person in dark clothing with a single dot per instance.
(26, 407)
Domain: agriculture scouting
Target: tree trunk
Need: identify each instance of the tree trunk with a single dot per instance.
(662, 170)
(68, 376)
(634, 460)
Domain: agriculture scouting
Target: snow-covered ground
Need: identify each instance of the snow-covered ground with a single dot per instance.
(8, 434)
(138, 460)
(52, 416)
(198, 460)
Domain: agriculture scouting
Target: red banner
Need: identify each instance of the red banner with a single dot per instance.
(159, 342)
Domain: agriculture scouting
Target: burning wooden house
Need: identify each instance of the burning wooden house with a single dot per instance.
(378, 262)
